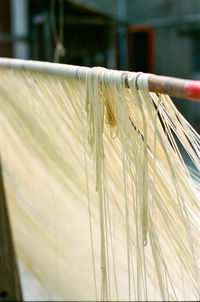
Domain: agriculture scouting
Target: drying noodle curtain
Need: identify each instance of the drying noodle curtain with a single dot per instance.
(102, 205)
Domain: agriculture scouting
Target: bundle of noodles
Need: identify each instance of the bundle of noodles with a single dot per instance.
(102, 205)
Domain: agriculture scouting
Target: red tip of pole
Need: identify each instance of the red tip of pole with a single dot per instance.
(193, 90)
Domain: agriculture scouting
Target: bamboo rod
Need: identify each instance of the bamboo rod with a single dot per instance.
(180, 88)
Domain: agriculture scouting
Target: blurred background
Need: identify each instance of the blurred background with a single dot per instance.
(159, 36)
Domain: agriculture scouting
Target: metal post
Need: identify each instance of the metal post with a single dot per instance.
(20, 28)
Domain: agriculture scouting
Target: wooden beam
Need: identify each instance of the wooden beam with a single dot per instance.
(10, 289)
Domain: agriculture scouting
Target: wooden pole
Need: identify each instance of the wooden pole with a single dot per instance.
(10, 289)
(180, 88)
(175, 87)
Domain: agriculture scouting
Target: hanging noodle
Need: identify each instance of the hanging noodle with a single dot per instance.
(102, 205)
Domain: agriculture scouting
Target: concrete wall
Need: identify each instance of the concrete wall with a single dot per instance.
(173, 53)
(147, 9)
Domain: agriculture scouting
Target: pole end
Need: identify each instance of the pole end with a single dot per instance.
(193, 90)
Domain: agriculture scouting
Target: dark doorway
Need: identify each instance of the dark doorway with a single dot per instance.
(141, 49)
